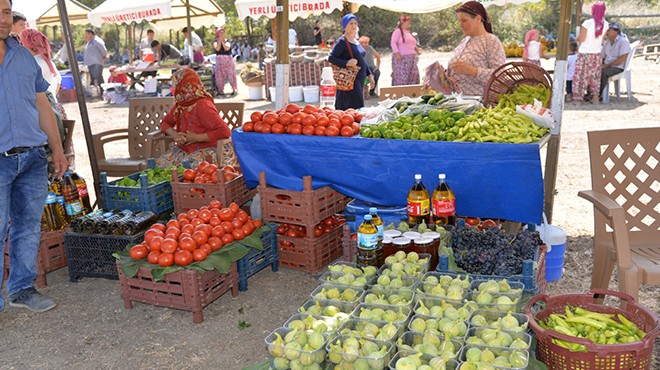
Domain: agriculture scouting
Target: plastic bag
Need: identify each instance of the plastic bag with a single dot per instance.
(539, 115)
(437, 78)
(377, 114)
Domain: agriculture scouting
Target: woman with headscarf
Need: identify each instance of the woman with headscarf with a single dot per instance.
(404, 54)
(225, 68)
(348, 52)
(533, 51)
(193, 122)
(480, 52)
(589, 61)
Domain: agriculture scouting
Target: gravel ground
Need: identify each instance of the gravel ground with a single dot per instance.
(90, 328)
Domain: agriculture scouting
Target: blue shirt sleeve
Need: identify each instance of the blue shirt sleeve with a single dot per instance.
(40, 84)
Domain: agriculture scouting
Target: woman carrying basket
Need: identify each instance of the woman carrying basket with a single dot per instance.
(347, 52)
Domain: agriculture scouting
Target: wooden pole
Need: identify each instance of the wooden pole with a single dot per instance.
(558, 85)
(191, 53)
(282, 68)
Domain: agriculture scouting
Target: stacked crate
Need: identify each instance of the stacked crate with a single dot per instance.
(51, 255)
(188, 195)
(304, 208)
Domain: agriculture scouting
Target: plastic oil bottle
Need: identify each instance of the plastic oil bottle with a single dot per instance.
(57, 187)
(71, 198)
(83, 192)
(443, 203)
(375, 218)
(328, 88)
(51, 215)
(368, 245)
(419, 202)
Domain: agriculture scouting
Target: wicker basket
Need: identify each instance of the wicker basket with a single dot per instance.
(635, 355)
(509, 75)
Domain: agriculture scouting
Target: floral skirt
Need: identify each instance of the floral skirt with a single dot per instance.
(587, 75)
(405, 71)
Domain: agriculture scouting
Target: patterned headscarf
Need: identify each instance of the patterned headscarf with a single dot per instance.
(403, 18)
(188, 90)
(529, 36)
(475, 8)
(35, 40)
(598, 12)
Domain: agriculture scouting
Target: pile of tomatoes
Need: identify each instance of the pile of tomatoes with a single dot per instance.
(195, 234)
(298, 231)
(207, 173)
(309, 120)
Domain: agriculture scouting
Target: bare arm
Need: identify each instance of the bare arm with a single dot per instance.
(620, 60)
(48, 125)
(377, 56)
(582, 36)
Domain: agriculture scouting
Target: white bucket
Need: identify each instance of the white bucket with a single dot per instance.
(311, 94)
(295, 93)
(272, 91)
(256, 92)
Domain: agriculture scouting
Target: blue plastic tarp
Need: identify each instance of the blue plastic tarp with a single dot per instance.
(490, 180)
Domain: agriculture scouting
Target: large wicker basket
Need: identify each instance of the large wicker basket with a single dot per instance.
(509, 75)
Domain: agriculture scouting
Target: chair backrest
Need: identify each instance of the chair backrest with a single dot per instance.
(144, 116)
(231, 113)
(68, 124)
(633, 48)
(625, 166)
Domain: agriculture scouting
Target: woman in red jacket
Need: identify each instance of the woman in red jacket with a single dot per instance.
(193, 122)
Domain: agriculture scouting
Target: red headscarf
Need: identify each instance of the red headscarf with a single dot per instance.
(598, 12)
(35, 40)
(188, 90)
(529, 36)
(475, 8)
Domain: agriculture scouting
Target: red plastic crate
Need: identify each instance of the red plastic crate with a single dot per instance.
(187, 290)
(310, 254)
(349, 246)
(51, 255)
(307, 207)
(194, 196)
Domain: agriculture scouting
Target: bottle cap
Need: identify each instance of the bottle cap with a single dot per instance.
(442, 176)
(418, 176)
(373, 210)
(367, 217)
(66, 173)
(326, 74)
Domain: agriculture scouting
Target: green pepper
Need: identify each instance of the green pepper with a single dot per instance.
(397, 135)
(388, 134)
(414, 135)
(397, 124)
(376, 134)
(433, 127)
(434, 136)
(425, 136)
(449, 136)
(407, 127)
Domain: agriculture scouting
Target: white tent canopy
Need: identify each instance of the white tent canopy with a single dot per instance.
(169, 14)
(297, 8)
(428, 6)
(44, 12)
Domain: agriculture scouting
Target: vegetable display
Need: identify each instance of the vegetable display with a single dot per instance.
(525, 94)
(154, 175)
(308, 120)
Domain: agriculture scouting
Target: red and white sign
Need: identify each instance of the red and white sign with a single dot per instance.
(297, 8)
(127, 11)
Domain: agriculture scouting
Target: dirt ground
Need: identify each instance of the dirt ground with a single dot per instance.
(90, 328)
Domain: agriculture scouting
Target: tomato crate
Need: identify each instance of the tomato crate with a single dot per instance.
(257, 260)
(310, 254)
(51, 255)
(194, 196)
(90, 255)
(155, 198)
(348, 244)
(187, 289)
(307, 207)
(533, 272)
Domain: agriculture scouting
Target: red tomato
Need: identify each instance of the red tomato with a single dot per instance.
(294, 129)
(189, 229)
(182, 216)
(155, 243)
(322, 121)
(172, 223)
(238, 234)
(247, 228)
(248, 127)
(227, 238)
(215, 204)
(332, 131)
(292, 108)
(158, 226)
(236, 223)
(198, 255)
(210, 169)
(356, 128)
(168, 245)
(166, 259)
(215, 243)
(472, 221)
(139, 252)
(266, 128)
(234, 207)
(257, 126)
(285, 118)
(217, 231)
(151, 233)
(153, 257)
(278, 128)
(192, 213)
(309, 120)
(335, 122)
(347, 120)
(308, 130)
(196, 221)
(281, 229)
(270, 118)
(358, 117)
(309, 109)
(256, 223)
(215, 221)
(320, 131)
(227, 227)
(226, 214)
(242, 215)
(187, 244)
(347, 131)
(200, 237)
(201, 166)
(183, 258)
(292, 233)
(188, 174)
(318, 230)
(206, 248)
(256, 116)
(205, 215)
(228, 176)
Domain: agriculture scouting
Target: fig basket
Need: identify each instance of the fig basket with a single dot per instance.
(635, 355)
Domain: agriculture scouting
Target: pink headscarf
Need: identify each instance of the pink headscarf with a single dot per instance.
(529, 36)
(598, 13)
(35, 40)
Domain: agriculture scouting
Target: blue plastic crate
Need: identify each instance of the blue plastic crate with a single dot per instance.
(356, 209)
(155, 198)
(257, 260)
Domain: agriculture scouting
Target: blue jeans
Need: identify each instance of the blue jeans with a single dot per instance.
(23, 190)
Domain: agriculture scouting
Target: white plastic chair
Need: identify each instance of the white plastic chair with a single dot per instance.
(627, 68)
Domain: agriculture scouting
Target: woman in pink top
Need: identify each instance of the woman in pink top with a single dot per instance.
(480, 52)
(588, 65)
(404, 54)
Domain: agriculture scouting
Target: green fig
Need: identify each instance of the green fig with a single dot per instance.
(405, 363)
(281, 363)
(276, 348)
(504, 303)
(473, 354)
(418, 324)
(333, 293)
(292, 350)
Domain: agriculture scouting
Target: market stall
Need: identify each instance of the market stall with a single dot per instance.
(300, 74)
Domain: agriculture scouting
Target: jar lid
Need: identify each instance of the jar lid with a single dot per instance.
(423, 240)
(387, 239)
(412, 234)
(401, 241)
(392, 233)
(431, 234)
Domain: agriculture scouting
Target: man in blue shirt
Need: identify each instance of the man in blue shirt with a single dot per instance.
(616, 48)
(27, 122)
(95, 55)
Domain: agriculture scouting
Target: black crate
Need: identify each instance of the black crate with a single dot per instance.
(257, 260)
(90, 255)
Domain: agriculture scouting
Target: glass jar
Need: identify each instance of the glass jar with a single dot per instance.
(412, 235)
(402, 244)
(425, 245)
(388, 246)
(392, 233)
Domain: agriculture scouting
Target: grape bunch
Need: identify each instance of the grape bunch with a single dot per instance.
(493, 252)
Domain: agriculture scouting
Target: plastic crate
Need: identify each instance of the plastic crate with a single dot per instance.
(449, 365)
(307, 207)
(187, 289)
(155, 198)
(348, 245)
(257, 260)
(194, 196)
(635, 355)
(90, 255)
(50, 257)
(532, 276)
(309, 254)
